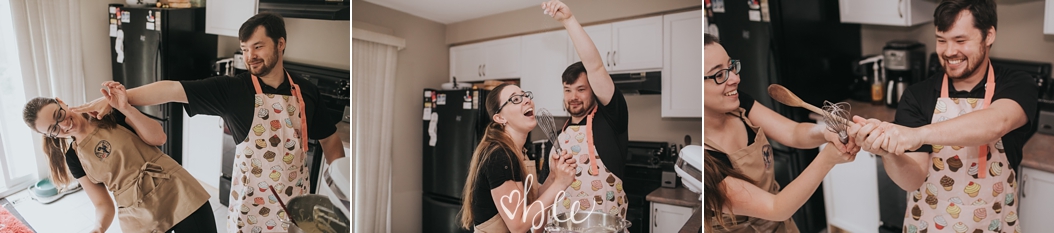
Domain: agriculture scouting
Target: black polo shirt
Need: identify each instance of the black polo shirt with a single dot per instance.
(918, 102)
(232, 98)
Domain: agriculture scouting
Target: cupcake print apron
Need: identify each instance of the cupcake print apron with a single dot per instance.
(971, 188)
(595, 188)
(271, 155)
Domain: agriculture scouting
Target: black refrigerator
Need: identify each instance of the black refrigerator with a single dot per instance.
(801, 45)
(454, 122)
(150, 44)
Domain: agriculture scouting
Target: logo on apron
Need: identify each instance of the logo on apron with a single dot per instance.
(102, 150)
(766, 152)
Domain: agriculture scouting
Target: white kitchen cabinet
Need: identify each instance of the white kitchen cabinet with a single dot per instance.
(541, 69)
(225, 17)
(627, 46)
(1048, 17)
(887, 12)
(682, 89)
(1035, 206)
(850, 192)
(668, 218)
(203, 147)
(497, 59)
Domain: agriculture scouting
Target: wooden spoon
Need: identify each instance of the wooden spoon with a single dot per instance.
(785, 96)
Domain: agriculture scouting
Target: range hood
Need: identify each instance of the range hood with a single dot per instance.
(642, 83)
(309, 9)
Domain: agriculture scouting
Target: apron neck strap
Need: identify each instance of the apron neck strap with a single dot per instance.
(295, 89)
(989, 90)
(989, 87)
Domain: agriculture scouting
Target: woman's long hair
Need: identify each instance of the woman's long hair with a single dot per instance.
(55, 148)
(494, 138)
(715, 193)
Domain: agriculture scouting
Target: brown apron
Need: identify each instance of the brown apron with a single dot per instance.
(965, 192)
(497, 224)
(152, 191)
(754, 161)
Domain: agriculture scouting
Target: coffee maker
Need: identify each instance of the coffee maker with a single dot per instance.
(904, 65)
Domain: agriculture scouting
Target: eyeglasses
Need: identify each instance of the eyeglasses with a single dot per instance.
(60, 115)
(722, 75)
(516, 99)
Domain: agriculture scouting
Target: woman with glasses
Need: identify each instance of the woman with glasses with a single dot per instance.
(119, 153)
(501, 179)
(741, 194)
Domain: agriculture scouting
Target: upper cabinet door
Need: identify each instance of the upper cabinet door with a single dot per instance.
(466, 62)
(225, 17)
(637, 44)
(601, 36)
(544, 58)
(682, 77)
(503, 59)
(1048, 17)
(887, 12)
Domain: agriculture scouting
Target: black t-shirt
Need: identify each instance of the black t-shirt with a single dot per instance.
(610, 133)
(918, 101)
(232, 99)
(74, 163)
(746, 102)
(498, 168)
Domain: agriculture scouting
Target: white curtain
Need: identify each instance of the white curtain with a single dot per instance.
(373, 89)
(50, 52)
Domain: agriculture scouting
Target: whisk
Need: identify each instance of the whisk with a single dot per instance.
(549, 128)
(836, 116)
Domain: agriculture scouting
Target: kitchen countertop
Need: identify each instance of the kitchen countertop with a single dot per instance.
(1036, 152)
(679, 196)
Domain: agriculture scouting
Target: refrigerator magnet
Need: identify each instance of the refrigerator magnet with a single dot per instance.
(466, 105)
(428, 114)
(126, 17)
(441, 100)
(717, 6)
(755, 15)
(113, 30)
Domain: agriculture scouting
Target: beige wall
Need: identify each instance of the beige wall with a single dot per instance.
(1019, 34)
(308, 41)
(423, 63)
(95, 40)
(531, 19)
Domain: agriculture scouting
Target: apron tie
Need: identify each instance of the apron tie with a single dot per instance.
(148, 170)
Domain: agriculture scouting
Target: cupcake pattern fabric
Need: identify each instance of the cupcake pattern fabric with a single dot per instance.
(955, 197)
(599, 191)
(271, 155)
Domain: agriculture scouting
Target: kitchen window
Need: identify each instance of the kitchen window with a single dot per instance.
(18, 162)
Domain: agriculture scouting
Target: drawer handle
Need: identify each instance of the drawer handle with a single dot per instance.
(1023, 185)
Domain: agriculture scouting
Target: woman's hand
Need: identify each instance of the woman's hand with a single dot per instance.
(562, 169)
(558, 10)
(833, 156)
(835, 141)
(116, 95)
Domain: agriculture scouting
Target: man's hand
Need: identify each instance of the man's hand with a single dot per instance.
(116, 95)
(558, 10)
(884, 138)
(868, 134)
(900, 139)
(97, 108)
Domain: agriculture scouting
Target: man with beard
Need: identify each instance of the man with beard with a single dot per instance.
(959, 134)
(596, 135)
(271, 114)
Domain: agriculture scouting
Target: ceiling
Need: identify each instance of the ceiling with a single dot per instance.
(453, 11)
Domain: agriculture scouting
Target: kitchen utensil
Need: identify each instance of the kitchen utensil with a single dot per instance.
(549, 128)
(835, 116)
(314, 213)
(281, 203)
(587, 221)
(781, 94)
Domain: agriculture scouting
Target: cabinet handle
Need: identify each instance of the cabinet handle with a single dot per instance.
(614, 55)
(484, 70)
(479, 70)
(1023, 185)
(900, 4)
(608, 56)
(653, 221)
